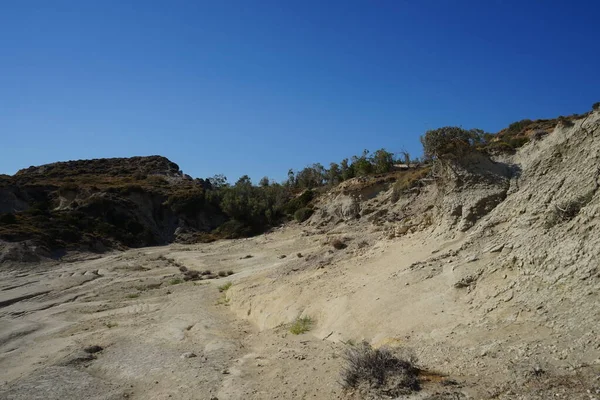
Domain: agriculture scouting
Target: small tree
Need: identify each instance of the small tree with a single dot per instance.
(291, 181)
(383, 161)
(362, 165)
(450, 142)
(244, 180)
(334, 175)
(346, 170)
(405, 157)
(218, 181)
(596, 106)
(264, 182)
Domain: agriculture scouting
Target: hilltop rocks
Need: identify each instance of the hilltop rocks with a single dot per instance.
(138, 166)
(93, 205)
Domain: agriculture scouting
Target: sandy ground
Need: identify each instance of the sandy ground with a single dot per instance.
(149, 325)
(165, 339)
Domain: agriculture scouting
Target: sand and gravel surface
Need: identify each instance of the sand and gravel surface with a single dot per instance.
(154, 337)
(124, 326)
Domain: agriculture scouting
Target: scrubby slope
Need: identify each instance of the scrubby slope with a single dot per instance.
(490, 272)
(98, 204)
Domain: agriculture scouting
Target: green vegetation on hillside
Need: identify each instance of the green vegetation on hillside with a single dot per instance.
(142, 201)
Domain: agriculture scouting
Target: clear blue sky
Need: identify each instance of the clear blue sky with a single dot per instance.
(258, 87)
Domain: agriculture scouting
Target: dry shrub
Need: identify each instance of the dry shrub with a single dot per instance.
(379, 371)
(338, 244)
(303, 214)
(570, 209)
(567, 210)
(409, 180)
(191, 275)
(565, 121)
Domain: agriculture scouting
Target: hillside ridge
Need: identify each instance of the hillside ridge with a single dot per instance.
(481, 271)
(99, 204)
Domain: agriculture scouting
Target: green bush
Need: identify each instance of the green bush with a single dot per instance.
(517, 142)
(254, 208)
(303, 214)
(362, 165)
(450, 142)
(300, 202)
(301, 325)
(311, 177)
(233, 229)
(187, 201)
(518, 127)
(383, 161)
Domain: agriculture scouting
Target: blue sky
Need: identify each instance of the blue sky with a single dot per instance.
(258, 87)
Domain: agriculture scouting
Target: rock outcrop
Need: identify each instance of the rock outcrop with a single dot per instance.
(93, 205)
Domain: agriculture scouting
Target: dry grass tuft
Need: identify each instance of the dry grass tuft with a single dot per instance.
(409, 180)
(301, 325)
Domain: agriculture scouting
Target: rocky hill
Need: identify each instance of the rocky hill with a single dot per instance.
(92, 205)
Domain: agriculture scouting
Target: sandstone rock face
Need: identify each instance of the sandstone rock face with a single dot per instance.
(473, 188)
